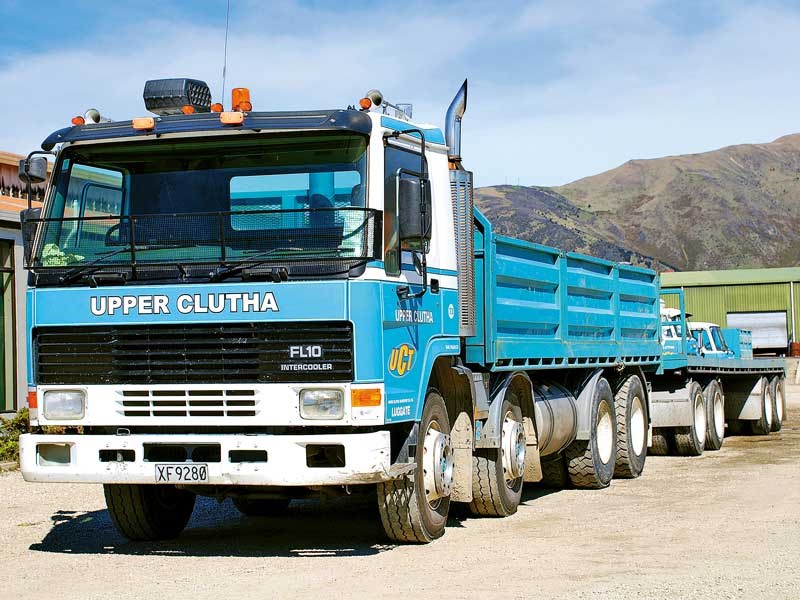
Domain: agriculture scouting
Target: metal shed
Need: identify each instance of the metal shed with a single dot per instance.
(762, 300)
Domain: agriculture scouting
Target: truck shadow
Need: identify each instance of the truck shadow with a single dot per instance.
(327, 528)
(308, 528)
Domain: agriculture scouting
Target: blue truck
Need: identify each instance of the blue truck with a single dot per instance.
(266, 305)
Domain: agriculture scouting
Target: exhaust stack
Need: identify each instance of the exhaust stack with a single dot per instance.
(452, 127)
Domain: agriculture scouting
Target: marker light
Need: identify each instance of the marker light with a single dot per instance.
(216, 107)
(365, 103)
(365, 397)
(241, 99)
(143, 123)
(33, 401)
(79, 120)
(231, 118)
(187, 109)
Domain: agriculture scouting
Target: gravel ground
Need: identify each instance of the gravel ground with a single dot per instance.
(724, 525)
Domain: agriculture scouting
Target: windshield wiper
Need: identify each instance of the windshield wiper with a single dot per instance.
(78, 272)
(93, 267)
(278, 274)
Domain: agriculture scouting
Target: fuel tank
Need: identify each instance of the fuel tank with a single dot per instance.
(556, 414)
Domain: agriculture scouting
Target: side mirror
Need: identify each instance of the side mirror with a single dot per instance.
(29, 230)
(33, 169)
(414, 213)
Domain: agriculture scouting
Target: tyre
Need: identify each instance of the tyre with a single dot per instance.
(261, 507)
(778, 387)
(630, 407)
(497, 472)
(148, 512)
(414, 508)
(690, 441)
(590, 463)
(763, 425)
(661, 439)
(554, 473)
(715, 416)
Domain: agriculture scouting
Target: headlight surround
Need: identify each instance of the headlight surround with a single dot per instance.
(64, 404)
(322, 404)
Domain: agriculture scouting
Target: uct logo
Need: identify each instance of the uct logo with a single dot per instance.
(401, 359)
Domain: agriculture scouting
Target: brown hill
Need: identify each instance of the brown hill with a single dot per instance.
(734, 207)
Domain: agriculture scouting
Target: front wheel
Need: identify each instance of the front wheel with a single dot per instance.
(591, 462)
(497, 473)
(148, 512)
(414, 508)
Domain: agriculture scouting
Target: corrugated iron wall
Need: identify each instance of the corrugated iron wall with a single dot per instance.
(713, 303)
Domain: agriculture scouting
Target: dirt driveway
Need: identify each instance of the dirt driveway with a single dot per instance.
(725, 525)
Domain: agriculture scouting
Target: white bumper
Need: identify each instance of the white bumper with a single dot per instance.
(367, 459)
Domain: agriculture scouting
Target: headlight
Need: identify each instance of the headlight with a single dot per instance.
(321, 404)
(64, 404)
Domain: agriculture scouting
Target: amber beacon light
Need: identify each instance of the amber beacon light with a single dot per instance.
(241, 99)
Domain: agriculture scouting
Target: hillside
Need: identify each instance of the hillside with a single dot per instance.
(734, 207)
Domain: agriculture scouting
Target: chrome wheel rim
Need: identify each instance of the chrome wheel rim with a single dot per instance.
(700, 418)
(437, 464)
(604, 432)
(768, 401)
(719, 415)
(513, 449)
(638, 426)
(779, 403)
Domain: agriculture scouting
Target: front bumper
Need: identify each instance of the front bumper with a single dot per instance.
(367, 458)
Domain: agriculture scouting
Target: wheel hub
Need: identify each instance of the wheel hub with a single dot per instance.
(638, 426)
(437, 464)
(513, 448)
(700, 418)
(719, 415)
(604, 432)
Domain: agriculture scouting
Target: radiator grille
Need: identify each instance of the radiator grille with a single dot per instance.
(197, 353)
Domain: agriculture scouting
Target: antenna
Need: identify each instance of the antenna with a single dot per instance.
(225, 50)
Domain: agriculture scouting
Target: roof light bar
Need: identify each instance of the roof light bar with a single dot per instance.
(169, 96)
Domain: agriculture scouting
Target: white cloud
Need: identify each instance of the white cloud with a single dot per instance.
(622, 83)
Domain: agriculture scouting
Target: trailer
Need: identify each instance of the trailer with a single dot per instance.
(708, 383)
(266, 305)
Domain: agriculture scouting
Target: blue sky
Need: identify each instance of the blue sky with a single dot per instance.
(558, 90)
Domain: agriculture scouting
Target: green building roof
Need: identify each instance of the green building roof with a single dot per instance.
(730, 277)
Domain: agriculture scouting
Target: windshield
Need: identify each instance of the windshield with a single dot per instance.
(719, 340)
(298, 201)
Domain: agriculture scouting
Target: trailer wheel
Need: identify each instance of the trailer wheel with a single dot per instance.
(554, 473)
(261, 507)
(148, 512)
(715, 418)
(414, 508)
(689, 441)
(591, 462)
(763, 425)
(631, 412)
(778, 387)
(660, 445)
(497, 472)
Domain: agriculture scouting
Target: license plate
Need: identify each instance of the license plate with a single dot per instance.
(192, 473)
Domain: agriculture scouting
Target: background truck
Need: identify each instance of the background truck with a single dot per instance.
(265, 305)
(707, 378)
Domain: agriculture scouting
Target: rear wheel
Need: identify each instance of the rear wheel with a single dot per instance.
(414, 508)
(554, 473)
(689, 441)
(591, 462)
(778, 387)
(148, 512)
(763, 425)
(497, 472)
(715, 416)
(261, 507)
(661, 439)
(631, 417)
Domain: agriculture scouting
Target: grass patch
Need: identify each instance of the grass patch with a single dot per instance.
(10, 430)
